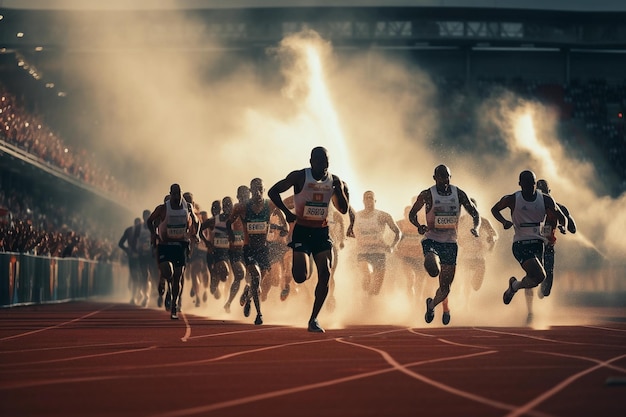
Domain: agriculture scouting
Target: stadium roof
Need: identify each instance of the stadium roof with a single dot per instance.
(560, 5)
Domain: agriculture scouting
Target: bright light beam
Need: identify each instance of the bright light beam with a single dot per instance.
(526, 139)
(321, 108)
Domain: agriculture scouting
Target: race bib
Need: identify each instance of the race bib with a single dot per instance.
(256, 228)
(546, 230)
(221, 242)
(238, 238)
(175, 231)
(445, 220)
(315, 211)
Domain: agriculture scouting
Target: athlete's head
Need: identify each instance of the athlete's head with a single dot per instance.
(319, 160)
(227, 205)
(256, 188)
(543, 186)
(369, 200)
(216, 207)
(243, 193)
(442, 176)
(175, 193)
(527, 180)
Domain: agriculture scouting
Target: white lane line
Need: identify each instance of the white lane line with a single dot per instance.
(258, 329)
(293, 390)
(524, 409)
(56, 325)
(611, 329)
(543, 339)
(187, 328)
(584, 358)
(74, 358)
(43, 349)
(404, 369)
(37, 383)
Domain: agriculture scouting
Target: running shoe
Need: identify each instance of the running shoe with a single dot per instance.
(174, 315)
(259, 320)
(246, 308)
(204, 297)
(430, 314)
(227, 307)
(445, 318)
(160, 301)
(245, 296)
(546, 287)
(284, 293)
(510, 292)
(314, 326)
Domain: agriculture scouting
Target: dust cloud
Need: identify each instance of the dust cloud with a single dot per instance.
(212, 119)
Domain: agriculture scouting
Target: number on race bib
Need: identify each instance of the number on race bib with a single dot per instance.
(445, 221)
(255, 228)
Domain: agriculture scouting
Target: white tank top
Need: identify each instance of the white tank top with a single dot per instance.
(312, 201)
(220, 232)
(527, 217)
(443, 217)
(174, 227)
(368, 231)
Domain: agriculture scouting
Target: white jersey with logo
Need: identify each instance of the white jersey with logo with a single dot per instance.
(312, 201)
(174, 227)
(527, 217)
(443, 217)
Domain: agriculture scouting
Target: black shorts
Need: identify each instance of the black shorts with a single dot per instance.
(236, 255)
(174, 252)
(210, 259)
(310, 240)
(447, 252)
(257, 255)
(221, 255)
(524, 250)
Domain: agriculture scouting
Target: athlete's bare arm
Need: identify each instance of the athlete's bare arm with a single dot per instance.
(508, 201)
(238, 212)
(471, 209)
(294, 179)
(393, 226)
(423, 199)
(340, 195)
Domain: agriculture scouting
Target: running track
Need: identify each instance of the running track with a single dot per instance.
(106, 359)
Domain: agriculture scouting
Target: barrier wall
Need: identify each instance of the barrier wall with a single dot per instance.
(29, 279)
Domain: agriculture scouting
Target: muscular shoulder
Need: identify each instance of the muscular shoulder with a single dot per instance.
(548, 201)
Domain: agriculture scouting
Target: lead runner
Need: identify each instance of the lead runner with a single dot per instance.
(313, 188)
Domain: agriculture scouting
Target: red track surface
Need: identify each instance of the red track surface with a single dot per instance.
(103, 359)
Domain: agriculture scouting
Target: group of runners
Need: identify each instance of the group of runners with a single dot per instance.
(271, 241)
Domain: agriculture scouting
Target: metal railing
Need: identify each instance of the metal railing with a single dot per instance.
(30, 279)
